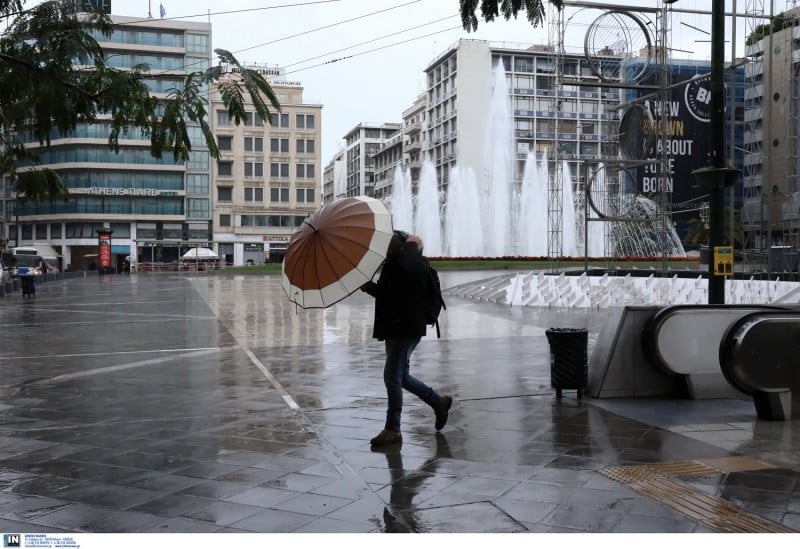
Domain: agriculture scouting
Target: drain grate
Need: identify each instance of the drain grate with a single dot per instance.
(657, 481)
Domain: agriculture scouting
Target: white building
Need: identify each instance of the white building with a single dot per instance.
(334, 179)
(362, 142)
(459, 95)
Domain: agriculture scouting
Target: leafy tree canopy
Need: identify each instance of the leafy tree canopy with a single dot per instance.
(491, 9)
(54, 75)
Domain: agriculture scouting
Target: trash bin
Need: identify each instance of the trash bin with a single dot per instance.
(28, 286)
(568, 359)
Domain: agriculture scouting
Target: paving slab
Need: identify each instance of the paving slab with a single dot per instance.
(209, 403)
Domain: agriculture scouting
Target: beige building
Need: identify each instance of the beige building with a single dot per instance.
(268, 178)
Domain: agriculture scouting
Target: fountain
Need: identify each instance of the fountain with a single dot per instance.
(491, 214)
(533, 210)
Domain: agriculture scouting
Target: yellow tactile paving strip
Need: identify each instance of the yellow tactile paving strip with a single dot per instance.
(659, 482)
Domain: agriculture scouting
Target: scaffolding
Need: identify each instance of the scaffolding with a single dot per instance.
(771, 191)
(754, 167)
(607, 178)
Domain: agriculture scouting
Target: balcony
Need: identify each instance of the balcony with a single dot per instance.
(412, 146)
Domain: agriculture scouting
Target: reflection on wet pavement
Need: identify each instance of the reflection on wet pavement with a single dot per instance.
(168, 403)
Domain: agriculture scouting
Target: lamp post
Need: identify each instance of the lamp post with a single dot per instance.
(716, 177)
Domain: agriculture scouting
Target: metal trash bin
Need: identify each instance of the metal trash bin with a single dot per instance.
(568, 359)
(28, 284)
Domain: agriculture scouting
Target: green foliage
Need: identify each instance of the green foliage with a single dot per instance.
(491, 9)
(53, 76)
(763, 30)
(42, 185)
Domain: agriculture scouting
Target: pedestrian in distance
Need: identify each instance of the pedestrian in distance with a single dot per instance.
(400, 305)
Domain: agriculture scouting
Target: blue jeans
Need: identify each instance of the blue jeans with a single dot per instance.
(396, 378)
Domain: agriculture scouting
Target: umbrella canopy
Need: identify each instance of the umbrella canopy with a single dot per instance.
(336, 250)
(200, 253)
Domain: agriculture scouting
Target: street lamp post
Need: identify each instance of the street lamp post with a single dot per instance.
(716, 177)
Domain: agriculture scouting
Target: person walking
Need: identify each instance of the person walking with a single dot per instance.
(400, 322)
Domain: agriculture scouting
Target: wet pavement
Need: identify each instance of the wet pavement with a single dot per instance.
(172, 403)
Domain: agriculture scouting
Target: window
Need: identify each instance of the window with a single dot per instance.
(224, 220)
(278, 170)
(524, 124)
(280, 121)
(225, 194)
(224, 168)
(253, 194)
(305, 121)
(224, 142)
(523, 103)
(279, 195)
(253, 119)
(254, 144)
(279, 145)
(305, 195)
(524, 82)
(196, 42)
(305, 171)
(197, 184)
(523, 65)
(305, 146)
(254, 169)
(197, 160)
(198, 207)
(223, 119)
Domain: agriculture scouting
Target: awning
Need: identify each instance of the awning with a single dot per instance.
(120, 249)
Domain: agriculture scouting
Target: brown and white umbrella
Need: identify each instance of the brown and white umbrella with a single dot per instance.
(337, 249)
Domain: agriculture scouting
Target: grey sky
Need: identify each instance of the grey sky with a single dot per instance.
(380, 78)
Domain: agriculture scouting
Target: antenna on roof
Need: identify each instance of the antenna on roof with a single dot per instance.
(149, 10)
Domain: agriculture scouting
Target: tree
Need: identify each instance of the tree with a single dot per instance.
(42, 185)
(491, 9)
(54, 76)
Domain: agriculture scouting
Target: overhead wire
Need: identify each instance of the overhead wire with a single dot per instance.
(373, 50)
(371, 40)
(329, 26)
(303, 33)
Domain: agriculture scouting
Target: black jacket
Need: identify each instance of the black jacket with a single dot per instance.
(400, 295)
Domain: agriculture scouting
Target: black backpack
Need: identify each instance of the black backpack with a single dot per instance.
(434, 302)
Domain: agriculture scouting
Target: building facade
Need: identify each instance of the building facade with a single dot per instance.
(268, 177)
(413, 134)
(333, 179)
(361, 144)
(155, 207)
(565, 122)
(771, 212)
(386, 162)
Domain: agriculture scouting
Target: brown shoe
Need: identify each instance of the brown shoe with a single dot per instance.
(387, 437)
(442, 409)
